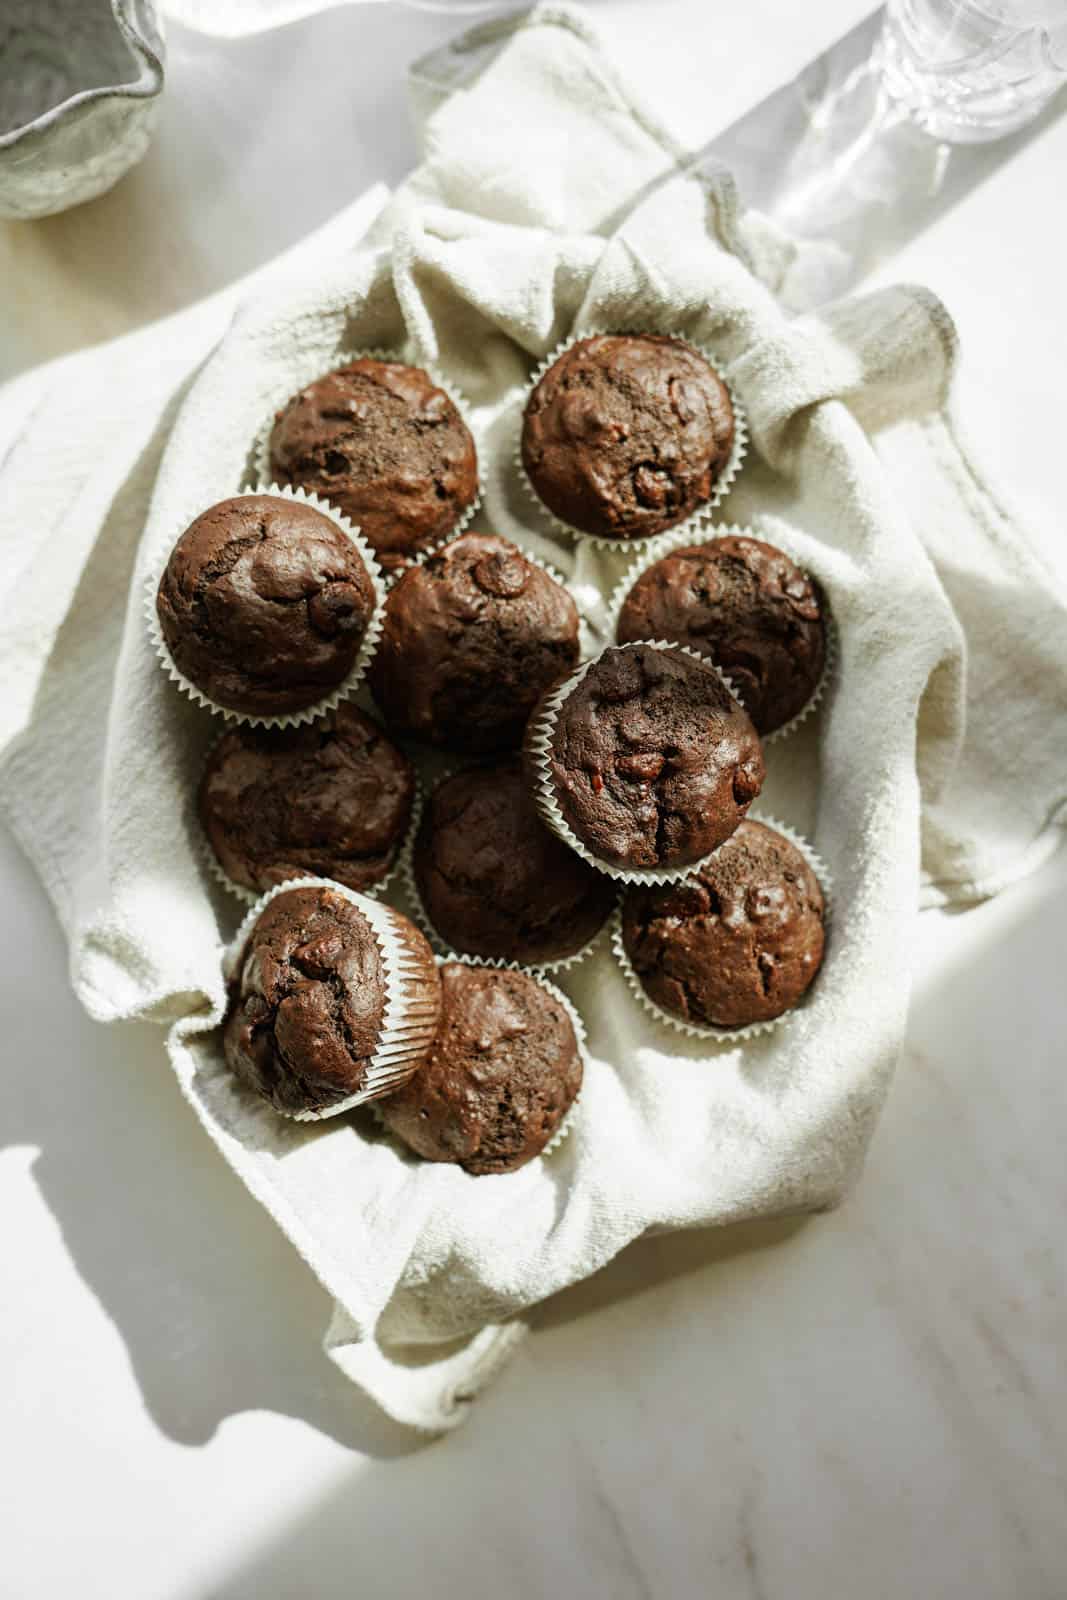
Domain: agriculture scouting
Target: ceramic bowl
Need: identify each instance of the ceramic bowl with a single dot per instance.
(80, 82)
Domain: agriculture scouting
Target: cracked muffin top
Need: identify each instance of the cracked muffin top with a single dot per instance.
(263, 604)
(627, 434)
(333, 800)
(739, 942)
(651, 760)
(495, 882)
(307, 1001)
(471, 638)
(502, 1074)
(384, 444)
(749, 608)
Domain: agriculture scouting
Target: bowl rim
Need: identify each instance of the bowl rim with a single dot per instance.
(145, 86)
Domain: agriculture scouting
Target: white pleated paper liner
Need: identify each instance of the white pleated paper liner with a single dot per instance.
(249, 897)
(313, 369)
(421, 917)
(538, 976)
(538, 751)
(665, 544)
(330, 701)
(723, 483)
(407, 1029)
(752, 1030)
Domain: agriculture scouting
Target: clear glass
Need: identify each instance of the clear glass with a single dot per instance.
(972, 70)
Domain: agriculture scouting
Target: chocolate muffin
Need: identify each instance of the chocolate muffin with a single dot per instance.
(627, 434)
(748, 607)
(264, 604)
(495, 882)
(739, 942)
(332, 800)
(651, 761)
(504, 1070)
(471, 638)
(382, 442)
(308, 1004)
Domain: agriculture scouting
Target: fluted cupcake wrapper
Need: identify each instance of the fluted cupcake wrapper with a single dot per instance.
(538, 747)
(697, 518)
(249, 897)
(665, 544)
(409, 1017)
(421, 917)
(538, 975)
(752, 1030)
(262, 470)
(348, 685)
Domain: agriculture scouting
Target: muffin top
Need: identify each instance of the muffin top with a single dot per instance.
(333, 800)
(307, 1001)
(748, 607)
(651, 760)
(626, 434)
(501, 1075)
(471, 638)
(739, 942)
(495, 882)
(385, 444)
(264, 603)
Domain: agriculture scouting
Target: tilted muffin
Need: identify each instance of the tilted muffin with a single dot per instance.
(627, 434)
(495, 882)
(646, 760)
(503, 1072)
(334, 800)
(739, 942)
(470, 639)
(382, 442)
(334, 1000)
(749, 608)
(264, 605)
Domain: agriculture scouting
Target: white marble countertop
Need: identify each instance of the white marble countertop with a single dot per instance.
(873, 1403)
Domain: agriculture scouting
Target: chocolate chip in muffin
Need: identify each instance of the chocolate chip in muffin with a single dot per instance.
(495, 882)
(386, 445)
(626, 434)
(651, 761)
(333, 800)
(741, 941)
(471, 638)
(264, 604)
(749, 608)
(503, 1072)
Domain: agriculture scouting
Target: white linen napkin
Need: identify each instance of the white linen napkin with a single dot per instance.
(521, 226)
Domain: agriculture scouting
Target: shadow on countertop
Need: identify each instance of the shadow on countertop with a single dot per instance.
(217, 1311)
